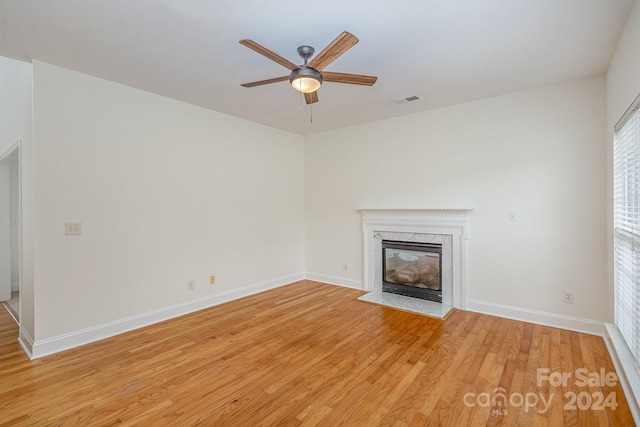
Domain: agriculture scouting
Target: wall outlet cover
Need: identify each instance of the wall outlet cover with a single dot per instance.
(72, 228)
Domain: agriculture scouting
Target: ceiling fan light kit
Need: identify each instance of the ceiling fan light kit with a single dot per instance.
(307, 78)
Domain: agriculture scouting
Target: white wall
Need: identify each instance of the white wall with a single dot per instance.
(540, 152)
(16, 94)
(623, 86)
(623, 75)
(166, 192)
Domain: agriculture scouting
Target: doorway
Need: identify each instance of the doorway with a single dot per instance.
(10, 231)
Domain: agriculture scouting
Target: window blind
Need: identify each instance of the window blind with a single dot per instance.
(626, 218)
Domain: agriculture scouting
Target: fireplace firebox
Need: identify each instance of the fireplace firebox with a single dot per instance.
(412, 269)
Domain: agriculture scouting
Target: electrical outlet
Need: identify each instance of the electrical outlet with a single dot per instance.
(567, 297)
(212, 279)
(513, 216)
(345, 266)
(191, 285)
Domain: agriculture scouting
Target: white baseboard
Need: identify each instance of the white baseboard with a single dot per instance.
(540, 317)
(40, 348)
(627, 374)
(48, 346)
(334, 280)
(26, 342)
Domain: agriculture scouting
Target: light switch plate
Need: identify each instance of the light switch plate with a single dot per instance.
(72, 228)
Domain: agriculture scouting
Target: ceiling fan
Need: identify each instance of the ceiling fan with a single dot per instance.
(308, 77)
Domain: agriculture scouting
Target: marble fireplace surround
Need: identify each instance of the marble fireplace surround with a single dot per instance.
(448, 227)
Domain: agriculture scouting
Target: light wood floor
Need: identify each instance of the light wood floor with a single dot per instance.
(306, 354)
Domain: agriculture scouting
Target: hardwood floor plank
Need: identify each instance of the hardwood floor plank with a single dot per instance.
(306, 354)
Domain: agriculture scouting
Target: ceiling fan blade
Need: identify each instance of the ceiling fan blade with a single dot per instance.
(340, 45)
(266, 82)
(268, 53)
(311, 98)
(354, 79)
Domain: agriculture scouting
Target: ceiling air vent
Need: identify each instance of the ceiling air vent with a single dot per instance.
(407, 99)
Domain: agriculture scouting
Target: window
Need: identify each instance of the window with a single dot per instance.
(626, 218)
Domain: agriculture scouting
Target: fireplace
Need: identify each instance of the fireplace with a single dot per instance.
(447, 228)
(412, 269)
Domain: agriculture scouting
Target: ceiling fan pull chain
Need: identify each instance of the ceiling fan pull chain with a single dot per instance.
(311, 113)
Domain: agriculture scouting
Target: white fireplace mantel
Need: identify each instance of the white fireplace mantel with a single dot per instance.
(438, 221)
(456, 218)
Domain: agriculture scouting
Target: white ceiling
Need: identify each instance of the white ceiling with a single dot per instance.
(445, 51)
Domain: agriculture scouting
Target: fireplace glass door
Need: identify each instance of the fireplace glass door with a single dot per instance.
(412, 269)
